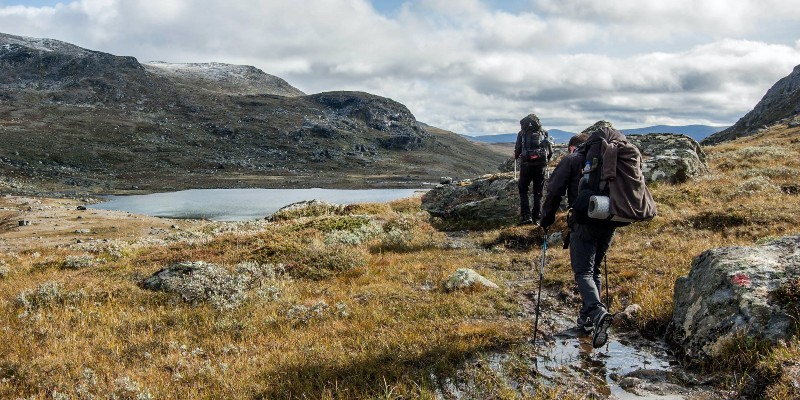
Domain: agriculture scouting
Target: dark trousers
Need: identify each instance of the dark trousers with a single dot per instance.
(530, 174)
(588, 245)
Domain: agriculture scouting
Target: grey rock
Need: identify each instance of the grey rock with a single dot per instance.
(670, 157)
(629, 382)
(465, 278)
(156, 282)
(488, 199)
(628, 316)
(555, 238)
(729, 291)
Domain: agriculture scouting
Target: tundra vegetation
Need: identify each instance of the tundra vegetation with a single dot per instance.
(349, 302)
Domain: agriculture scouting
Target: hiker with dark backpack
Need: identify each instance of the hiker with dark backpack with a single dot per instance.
(534, 151)
(606, 190)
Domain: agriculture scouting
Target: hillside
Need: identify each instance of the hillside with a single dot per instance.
(78, 120)
(557, 135)
(780, 103)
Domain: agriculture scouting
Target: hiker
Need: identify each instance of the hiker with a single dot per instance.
(534, 151)
(590, 238)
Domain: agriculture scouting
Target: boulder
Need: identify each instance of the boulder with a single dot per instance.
(157, 281)
(488, 200)
(465, 278)
(670, 157)
(735, 291)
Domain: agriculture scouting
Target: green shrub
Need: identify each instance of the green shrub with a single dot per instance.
(335, 223)
(320, 262)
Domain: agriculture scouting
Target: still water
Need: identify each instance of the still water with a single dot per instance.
(240, 204)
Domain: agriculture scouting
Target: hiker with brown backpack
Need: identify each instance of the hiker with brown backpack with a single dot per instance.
(606, 190)
(534, 151)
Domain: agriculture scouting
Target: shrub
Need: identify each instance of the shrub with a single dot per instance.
(214, 284)
(78, 262)
(320, 262)
(47, 294)
(756, 185)
(314, 208)
(367, 208)
(354, 237)
(788, 296)
(407, 205)
(335, 223)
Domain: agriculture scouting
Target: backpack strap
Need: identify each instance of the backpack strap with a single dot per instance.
(609, 154)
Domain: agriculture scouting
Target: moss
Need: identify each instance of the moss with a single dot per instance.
(335, 223)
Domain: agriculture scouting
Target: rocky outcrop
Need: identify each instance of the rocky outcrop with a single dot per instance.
(736, 291)
(781, 103)
(379, 113)
(225, 78)
(488, 200)
(670, 157)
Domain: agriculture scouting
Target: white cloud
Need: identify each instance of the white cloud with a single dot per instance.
(464, 66)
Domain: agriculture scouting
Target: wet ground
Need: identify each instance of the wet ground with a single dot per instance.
(628, 367)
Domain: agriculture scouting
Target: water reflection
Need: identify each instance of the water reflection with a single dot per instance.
(572, 352)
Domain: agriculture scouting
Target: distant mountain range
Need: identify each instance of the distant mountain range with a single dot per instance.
(696, 132)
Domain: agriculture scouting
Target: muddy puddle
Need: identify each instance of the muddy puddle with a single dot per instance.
(564, 364)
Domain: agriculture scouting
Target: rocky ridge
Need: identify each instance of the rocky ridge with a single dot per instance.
(781, 104)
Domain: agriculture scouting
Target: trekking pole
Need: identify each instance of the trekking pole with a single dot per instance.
(515, 169)
(608, 298)
(539, 295)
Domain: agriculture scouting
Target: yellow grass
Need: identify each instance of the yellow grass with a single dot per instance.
(368, 318)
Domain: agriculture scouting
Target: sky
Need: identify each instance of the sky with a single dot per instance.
(470, 66)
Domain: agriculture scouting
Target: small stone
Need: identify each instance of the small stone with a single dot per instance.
(465, 278)
(629, 382)
(81, 208)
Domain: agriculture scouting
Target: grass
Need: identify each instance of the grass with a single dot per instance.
(354, 305)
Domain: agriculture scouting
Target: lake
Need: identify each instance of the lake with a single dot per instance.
(240, 204)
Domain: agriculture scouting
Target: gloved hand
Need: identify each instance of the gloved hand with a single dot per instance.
(547, 220)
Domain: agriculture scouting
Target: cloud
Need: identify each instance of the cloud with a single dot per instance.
(467, 66)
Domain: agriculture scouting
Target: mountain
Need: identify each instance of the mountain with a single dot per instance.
(781, 102)
(84, 120)
(558, 136)
(696, 132)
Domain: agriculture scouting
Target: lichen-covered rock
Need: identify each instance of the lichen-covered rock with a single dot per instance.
(488, 200)
(734, 291)
(157, 281)
(465, 278)
(670, 157)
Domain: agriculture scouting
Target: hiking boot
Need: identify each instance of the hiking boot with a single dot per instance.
(600, 335)
(525, 220)
(585, 323)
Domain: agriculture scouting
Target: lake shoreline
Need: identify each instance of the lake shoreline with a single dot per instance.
(241, 204)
